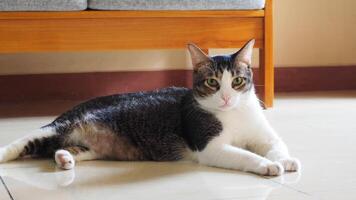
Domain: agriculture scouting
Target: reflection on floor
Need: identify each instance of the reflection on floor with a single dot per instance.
(319, 129)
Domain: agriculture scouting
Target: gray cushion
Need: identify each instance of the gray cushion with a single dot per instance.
(176, 4)
(42, 5)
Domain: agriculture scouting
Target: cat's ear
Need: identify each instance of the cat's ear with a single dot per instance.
(197, 55)
(245, 53)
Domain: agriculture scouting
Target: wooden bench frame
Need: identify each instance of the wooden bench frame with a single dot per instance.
(113, 30)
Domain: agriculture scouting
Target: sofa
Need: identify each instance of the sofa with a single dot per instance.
(102, 25)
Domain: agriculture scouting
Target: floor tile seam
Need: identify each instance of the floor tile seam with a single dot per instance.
(290, 187)
(6, 188)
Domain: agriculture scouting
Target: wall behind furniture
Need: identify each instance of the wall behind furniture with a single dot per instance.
(315, 33)
(307, 33)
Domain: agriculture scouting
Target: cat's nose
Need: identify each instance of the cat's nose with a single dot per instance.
(226, 98)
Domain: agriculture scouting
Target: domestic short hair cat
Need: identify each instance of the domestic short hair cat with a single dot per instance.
(219, 122)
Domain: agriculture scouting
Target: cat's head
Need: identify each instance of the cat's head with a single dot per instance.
(221, 82)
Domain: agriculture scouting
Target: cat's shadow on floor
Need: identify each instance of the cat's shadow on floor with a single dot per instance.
(137, 172)
(43, 174)
(102, 173)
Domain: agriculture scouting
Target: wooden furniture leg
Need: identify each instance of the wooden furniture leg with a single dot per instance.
(266, 70)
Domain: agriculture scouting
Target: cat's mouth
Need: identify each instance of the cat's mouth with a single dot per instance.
(225, 105)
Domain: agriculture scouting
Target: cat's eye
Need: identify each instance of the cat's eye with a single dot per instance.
(210, 82)
(237, 82)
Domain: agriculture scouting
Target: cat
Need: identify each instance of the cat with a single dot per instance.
(218, 123)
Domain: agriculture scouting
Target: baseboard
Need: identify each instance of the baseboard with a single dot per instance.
(73, 86)
(77, 86)
(299, 79)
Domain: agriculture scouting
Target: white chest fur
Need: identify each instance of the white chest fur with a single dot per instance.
(242, 124)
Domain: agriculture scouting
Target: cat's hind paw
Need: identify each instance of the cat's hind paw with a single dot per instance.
(4, 155)
(271, 169)
(290, 164)
(64, 159)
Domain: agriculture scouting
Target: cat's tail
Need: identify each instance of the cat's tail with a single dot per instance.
(42, 142)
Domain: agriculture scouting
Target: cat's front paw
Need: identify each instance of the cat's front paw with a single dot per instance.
(271, 169)
(290, 164)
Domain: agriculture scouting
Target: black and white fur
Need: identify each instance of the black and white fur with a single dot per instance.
(218, 124)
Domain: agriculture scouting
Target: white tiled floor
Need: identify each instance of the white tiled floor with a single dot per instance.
(3, 192)
(319, 128)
